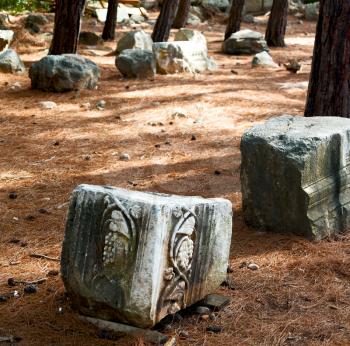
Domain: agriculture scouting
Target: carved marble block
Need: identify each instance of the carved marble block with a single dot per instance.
(136, 257)
(295, 175)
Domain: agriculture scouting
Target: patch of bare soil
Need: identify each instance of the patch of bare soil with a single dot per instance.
(301, 293)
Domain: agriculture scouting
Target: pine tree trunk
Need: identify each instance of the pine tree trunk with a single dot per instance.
(67, 26)
(235, 18)
(165, 21)
(111, 21)
(182, 14)
(329, 87)
(276, 27)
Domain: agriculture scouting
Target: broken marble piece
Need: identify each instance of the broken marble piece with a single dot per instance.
(137, 257)
(295, 175)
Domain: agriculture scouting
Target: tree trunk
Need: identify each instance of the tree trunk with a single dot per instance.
(235, 18)
(67, 26)
(276, 27)
(165, 20)
(182, 14)
(111, 21)
(329, 87)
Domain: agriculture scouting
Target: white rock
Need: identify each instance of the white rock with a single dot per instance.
(263, 59)
(48, 104)
(124, 157)
(6, 37)
(169, 252)
(253, 266)
(292, 85)
(191, 35)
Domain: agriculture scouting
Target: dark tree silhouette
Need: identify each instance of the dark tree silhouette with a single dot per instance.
(165, 21)
(329, 87)
(276, 26)
(67, 26)
(183, 11)
(111, 21)
(235, 18)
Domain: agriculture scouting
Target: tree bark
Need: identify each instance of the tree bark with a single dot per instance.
(276, 26)
(111, 21)
(165, 20)
(67, 26)
(235, 18)
(329, 87)
(182, 14)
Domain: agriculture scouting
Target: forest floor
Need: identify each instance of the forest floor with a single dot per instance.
(301, 293)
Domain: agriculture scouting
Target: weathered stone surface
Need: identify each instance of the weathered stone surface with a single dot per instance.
(245, 42)
(263, 59)
(295, 175)
(182, 56)
(217, 5)
(136, 257)
(10, 62)
(89, 38)
(195, 36)
(136, 63)
(257, 6)
(137, 39)
(312, 11)
(64, 73)
(34, 21)
(6, 37)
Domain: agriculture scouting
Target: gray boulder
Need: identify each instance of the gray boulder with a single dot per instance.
(295, 175)
(137, 39)
(182, 56)
(10, 62)
(33, 22)
(6, 37)
(245, 42)
(263, 59)
(312, 11)
(64, 73)
(137, 257)
(217, 5)
(136, 63)
(90, 38)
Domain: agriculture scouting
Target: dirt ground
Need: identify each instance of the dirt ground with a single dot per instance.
(301, 293)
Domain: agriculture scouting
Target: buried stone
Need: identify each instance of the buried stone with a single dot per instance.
(295, 175)
(137, 257)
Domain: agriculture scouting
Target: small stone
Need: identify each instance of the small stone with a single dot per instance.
(87, 157)
(60, 310)
(48, 104)
(56, 143)
(24, 244)
(229, 269)
(253, 266)
(3, 299)
(30, 217)
(43, 211)
(16, 86)
(157, 145)
(202, 310)
(101, 105)
(12, 195)
(14, 241)
(178, 114)
(90, 38)
(193, 138)
(29, 289)
(214, 329)
(228, 282)
(183, 334)
(86, 105)
(167, 143)
(215, 301)
(16, 294)
(217, 172)
(124, 157)
(205, 317)
(11, 282)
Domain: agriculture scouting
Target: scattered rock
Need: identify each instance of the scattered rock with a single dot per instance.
(245, 42)
(3, 299)
(216, 172)
(136, 63)
(182, 56)
(16, 294)
(297, 85)
(214, 329)
(202, 310)
(293, 66)
(16, 86)
(183, 334)
(135, 40)
(53, 272)
(64, 73)
(30, 217)
(10, 62)
(263, 59)
(43, 211)
(253, 266)
(48, 104)
(6, 37)
(193, 138)
(215, 301)
(216, 5)
(12, 195)
(29, 289)
(101, 105)
(90, 38)
(178, 114)
(124, 157)
(33, 22)
(11, 282)
(312, 11)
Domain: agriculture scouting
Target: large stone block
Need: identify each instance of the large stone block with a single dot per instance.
(245, 42)
(182, 56)
(295, 175)
(64, 72)
(136, 257)
(10, 62)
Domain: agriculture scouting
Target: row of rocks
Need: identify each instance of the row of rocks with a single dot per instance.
(139, 57)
